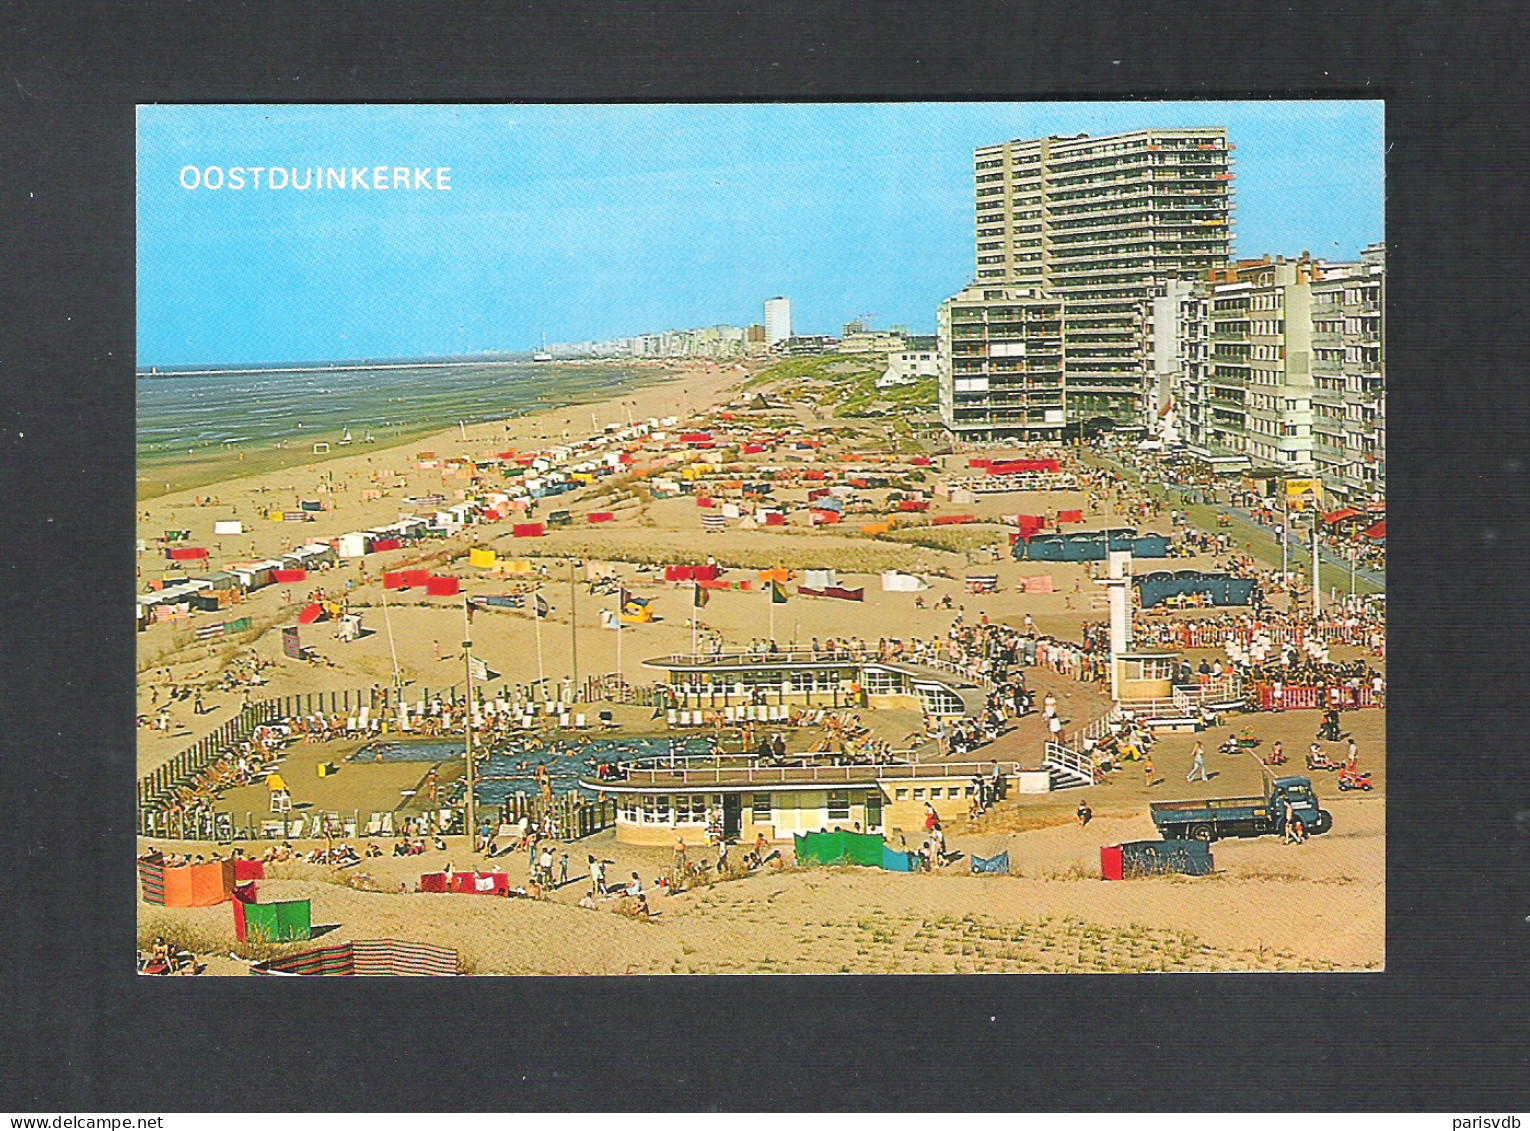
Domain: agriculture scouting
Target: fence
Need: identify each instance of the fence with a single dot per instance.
(1315, 698)
(577, 816)
(1194, 634)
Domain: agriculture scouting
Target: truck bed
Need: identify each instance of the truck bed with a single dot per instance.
(1210, 804)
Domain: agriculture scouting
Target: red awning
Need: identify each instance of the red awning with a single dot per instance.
(1378, 532)
(312, 613)
(1340, 515)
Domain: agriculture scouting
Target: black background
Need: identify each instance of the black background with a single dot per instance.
(1443, 1028)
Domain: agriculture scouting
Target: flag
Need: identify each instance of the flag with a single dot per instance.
(699, 597)
(777, 593)
(479, 669)
(469, 605)
(543, 608)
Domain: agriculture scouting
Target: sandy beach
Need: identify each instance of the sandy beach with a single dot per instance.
(1270, 906)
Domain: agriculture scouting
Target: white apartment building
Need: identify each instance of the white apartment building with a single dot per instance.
(778, 320)
(1001, 364)
(1105, 223)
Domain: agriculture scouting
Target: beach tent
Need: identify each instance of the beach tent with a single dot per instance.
(312, 614)
(247, 870)
(839, 848)
(364, 958)
(191, 885)
(992, 866)
(482, 559)
(289, 576)
(290, 921)
(896, 861)
(835, 591)
(820, 578)
(896, 582)
(437, 882)
(443, 587)
(234, 527)
(528, 530)
(395, 580)
(480, 883)
(1041, 584)
(414, 578)
(1163, 857)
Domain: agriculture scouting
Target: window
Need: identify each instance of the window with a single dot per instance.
(760, 808)
(953, 791)
(661, 809)
(839, 805)
(630, 808)
(901, 795)
(919, 795)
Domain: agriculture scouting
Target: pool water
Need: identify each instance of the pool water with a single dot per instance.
(512, 765)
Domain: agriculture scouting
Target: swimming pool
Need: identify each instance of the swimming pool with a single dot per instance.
(512, 765)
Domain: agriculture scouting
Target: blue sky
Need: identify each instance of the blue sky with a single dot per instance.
(588, 222)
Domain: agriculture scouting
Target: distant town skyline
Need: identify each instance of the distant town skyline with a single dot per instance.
(304, 233)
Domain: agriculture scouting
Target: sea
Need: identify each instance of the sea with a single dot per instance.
(262, 408)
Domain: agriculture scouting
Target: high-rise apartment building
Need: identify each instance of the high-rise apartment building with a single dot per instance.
(1000, 364)
(1349, 379)
(778, 320)
(1104, 223)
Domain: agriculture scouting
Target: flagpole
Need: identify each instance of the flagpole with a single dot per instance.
(536, 616)
(693, 621)
(1285, 541)
(467, 655)
(620, 607)
(388, 620)
(771, 589)
(573, 622)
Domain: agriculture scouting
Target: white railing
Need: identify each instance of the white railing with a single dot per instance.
(857, 774)
(1070, 763)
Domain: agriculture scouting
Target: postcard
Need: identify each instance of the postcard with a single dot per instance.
(761, 539)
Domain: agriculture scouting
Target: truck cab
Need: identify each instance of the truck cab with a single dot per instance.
(1304, 804)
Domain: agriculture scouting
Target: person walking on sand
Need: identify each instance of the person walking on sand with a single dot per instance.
(1353, 761)
(1147, 770)
(1085, 814)
(1197, 764)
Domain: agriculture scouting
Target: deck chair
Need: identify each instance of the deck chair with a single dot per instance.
(350, 724)
(387, 825)
(350, 830)
(580, 722)
(294, 831)
(527, 720)
(270, 830)
(363, 718)
(374, 825)
(563, 719)
(671, 716)
(607, 720)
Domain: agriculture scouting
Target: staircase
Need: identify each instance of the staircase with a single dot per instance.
(1068, 768)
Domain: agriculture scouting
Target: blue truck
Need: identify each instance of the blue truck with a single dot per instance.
(1208, 820)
